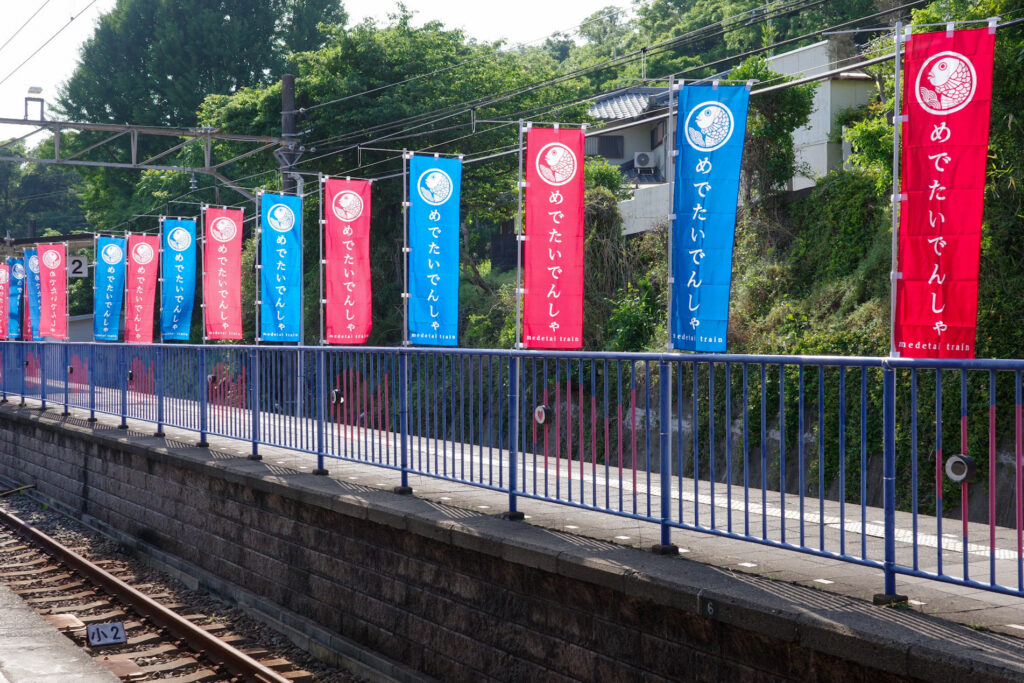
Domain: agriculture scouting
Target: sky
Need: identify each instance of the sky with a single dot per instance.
(523, 21)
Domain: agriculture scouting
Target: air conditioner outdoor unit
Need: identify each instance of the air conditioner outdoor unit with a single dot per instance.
(643, 160)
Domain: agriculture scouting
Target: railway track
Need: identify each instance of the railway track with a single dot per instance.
(164, 639)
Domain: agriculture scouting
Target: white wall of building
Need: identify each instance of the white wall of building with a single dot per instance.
(648, 208)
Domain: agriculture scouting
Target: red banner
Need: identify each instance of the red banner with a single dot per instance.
(222, 273)
(53, 288)
(140, 287)
(348, 310)
(5, 279)
(946, 99)
(553, 251)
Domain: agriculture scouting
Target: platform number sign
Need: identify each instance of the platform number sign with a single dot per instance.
(106, 634)
(78, 266)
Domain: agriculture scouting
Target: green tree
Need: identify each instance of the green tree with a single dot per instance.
(47, 194)
(151, 62)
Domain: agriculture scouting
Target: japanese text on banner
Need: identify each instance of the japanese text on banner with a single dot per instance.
(33, 289)
(222, 273)
(140, 283)
(434, 191)
(178, 269)
(281, 271)
(947, 98)
(709, 140)
(53, 300)
(16, 266)
(348, 308)
(109, 292)
(5, 278)
(553, 251)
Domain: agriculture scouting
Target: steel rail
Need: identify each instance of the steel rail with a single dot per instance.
(208, 645)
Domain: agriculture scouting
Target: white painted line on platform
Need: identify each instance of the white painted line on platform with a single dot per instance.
(823, 581)
(876, 529)
(748, 565)
(622, 538)
(1016, 626)
(571, 526)
(916, 603)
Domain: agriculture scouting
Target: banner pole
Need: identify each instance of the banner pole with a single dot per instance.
(258, 266)
(95, 279)
(160, 278)
(127, 254)
(405, 246)
(670, 171)
(67, 299)
(323, 263)
(201, 238)
(519, 228)
(894, 273)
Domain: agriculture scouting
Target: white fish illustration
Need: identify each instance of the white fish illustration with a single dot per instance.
(953, 82)
(713, 127)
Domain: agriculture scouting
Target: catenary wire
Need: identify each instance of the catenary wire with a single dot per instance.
(48, 41)
(20, 28)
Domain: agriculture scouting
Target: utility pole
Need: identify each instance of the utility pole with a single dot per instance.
(287, 158)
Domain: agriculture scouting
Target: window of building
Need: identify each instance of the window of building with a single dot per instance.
(608, 146)
(657, 134)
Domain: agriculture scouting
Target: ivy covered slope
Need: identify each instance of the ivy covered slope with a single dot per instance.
(812, 276)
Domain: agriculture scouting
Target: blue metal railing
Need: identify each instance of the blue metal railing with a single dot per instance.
(839, 457)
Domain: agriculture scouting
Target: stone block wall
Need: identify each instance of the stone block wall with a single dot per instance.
(446, 595)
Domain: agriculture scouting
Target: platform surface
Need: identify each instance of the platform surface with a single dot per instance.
(32, 649)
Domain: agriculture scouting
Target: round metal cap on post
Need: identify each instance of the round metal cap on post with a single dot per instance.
(542, 414)
(960, 468)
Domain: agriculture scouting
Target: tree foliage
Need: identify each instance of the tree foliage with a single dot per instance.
(151, 62)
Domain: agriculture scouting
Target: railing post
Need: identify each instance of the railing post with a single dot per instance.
(320, 408)
(4, 364)
(403, 418)
(123, 368)
(513, 436)
(254, 401)
(67, 379)
(159, 392)
(204, 387)
(664, 546)
(889, 596)
(42, 374)
(24, 366)
(92, 384)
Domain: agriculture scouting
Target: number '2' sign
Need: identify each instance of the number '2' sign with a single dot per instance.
(78, 266)
(106, 634)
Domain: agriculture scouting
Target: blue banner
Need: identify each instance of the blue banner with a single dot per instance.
(17, 267)
(281, 273)
(434, 189)
(709, 139)
(35, 290)
(179, 278)
(109, 291)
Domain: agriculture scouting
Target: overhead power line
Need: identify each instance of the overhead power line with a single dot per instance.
(15, 34)
(48, 41)
(701, 33)
(697, 34)
(442, 70)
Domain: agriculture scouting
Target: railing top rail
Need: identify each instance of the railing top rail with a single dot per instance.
(734, 358)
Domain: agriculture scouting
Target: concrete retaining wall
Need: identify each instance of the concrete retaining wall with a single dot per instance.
(457, 597)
